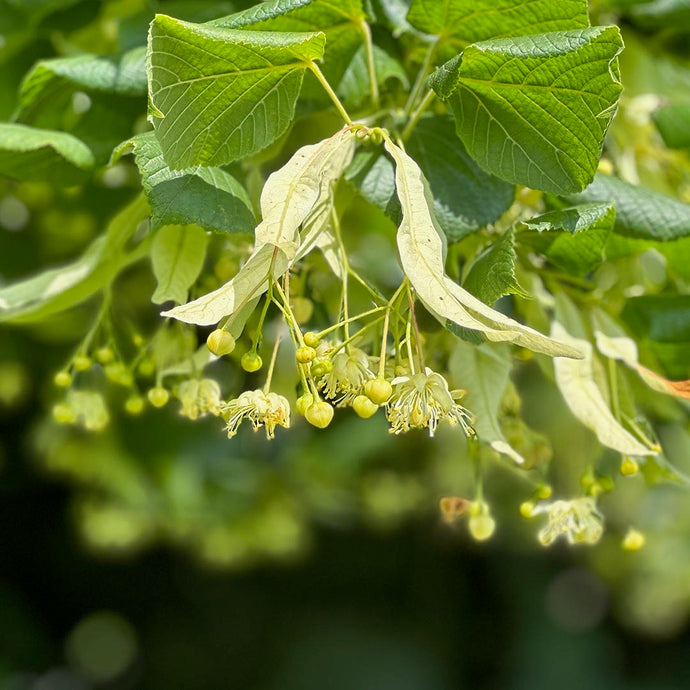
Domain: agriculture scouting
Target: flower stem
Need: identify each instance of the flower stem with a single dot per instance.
(369, 48)
(332, 95)
(414, 118)
(269, 376)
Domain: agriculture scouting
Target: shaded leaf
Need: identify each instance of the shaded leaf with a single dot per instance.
(673, 122)
(663, 318)
(576, 382)
(573, 238)
(42, 155)
(483, 371)
(60, 288)
(177, 256)
(209, 197)
(492, 274)
(640, 212)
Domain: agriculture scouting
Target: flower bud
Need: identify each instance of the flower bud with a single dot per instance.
(62, 379)
(629, 467)
(146, 367)
(633, 540)
(321, 366)
(64, 414)
(312, 339)
(482, 526)
(134, 405)
(305, 354)
(117, 372)
(251, 361)
(303, 403)
(158, 396)
(105, 354)
(302, 309)
(527, 509)
(319, 414)
(363, 407)
(82, 362)
(378, 390)
(220, 342)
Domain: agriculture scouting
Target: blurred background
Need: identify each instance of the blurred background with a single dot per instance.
(158, 554)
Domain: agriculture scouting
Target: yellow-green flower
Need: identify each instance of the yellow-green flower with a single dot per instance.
(199, 397)
(261, 409)
(345, 381)
(578, 520)
(423, 400)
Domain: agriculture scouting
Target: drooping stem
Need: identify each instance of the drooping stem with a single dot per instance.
(329, 90)
(419, 111)
(384, 342)
(418, 337)
(271, 366)
(346, 272)
(371, 67)
(421, 76)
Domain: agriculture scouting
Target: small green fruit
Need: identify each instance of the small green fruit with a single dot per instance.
(220, 342)
(158, 396)
(312, 339)
(105, 354)
(319, 414)
(251, 361)
(82, 362)
(62, 379)
(134, 405)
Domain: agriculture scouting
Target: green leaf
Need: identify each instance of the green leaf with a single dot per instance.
(209, 197)
(673, 122)
(657, 469)
(355, 86)
(458, 22)
(421, 245)
(573, 238)
(41, 155)
(640, 212)
(373, 174)
(484, 372)
(219, 95)
(340, 22)
(177, 256)
(576, 381)
(60, 288)
(663, 318)
(534, 110)
(465, 197)
(296, 197)
(492, 274)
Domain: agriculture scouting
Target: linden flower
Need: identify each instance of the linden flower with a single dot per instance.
(577, 519)
(199, 397)
(423, 400)
(262, 409)
(346, 380)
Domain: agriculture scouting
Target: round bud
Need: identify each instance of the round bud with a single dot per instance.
(251, 361)
(629, 467)
(138, 340)
(305, 354)
(146, 367)
(378, 390)
(302, 309)
(105, 354)
(321, 366)
(363, 407)
(158, 396)
(62, 379)
(312, 339)
(319, 414)
(544, 491)
(482, 526)
(134, 405)
(304, 402)
(633, 541)
(82, 362)
(605, 166)
(117, 372)
(64, 414)
(220, 342)
(527, 509)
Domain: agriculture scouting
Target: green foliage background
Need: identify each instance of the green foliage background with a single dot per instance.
(247, 564)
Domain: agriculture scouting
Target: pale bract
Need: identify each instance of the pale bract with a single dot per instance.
(298, 197)
(421, 245)
(575, 380)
